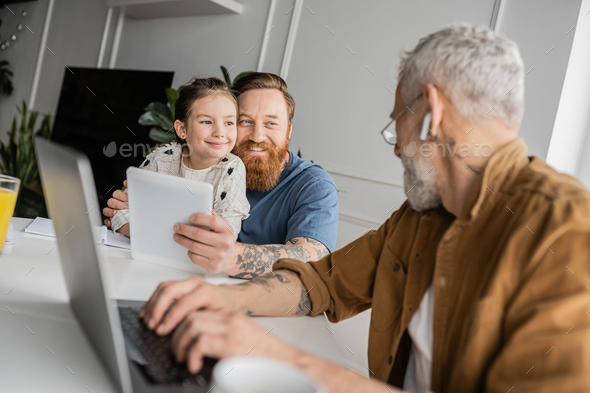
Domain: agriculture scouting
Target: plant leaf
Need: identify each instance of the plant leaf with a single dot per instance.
(18, 155)
(158, 107)
(163, 121)
(172, 95)
(155, 119)
(225, 73)
(240, 75)
(5, 75)
(160, 136)
(28, 173)
(147, 119)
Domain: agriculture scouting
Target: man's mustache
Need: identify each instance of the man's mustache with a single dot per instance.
(261, 145)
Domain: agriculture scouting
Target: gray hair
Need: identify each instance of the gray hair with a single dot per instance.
(476, 69)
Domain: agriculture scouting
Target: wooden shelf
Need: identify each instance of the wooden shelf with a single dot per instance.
(151, 9)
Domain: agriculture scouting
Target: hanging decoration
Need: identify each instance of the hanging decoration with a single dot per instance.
(5, 43)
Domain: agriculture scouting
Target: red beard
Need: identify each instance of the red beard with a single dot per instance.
(262, 173)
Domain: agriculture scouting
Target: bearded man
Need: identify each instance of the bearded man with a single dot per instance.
(293, 203)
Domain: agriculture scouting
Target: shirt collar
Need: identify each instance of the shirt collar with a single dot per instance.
(502, 168)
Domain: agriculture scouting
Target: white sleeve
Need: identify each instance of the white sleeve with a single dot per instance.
(122, 216)
(230, 202)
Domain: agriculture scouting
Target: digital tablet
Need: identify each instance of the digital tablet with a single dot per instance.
(157, 201)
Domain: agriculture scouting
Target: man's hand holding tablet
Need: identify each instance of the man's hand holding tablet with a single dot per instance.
(214, 250)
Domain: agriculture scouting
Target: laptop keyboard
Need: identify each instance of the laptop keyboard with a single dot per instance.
(160, 367)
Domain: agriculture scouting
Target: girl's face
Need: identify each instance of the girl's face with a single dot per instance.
(210, 129)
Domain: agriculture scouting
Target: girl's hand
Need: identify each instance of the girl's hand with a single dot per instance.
(116, 203)
(124, 230)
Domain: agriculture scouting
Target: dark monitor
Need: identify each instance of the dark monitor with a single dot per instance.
(97, 115)
(6, 2)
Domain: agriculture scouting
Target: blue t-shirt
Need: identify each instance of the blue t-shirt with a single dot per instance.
(303, 204)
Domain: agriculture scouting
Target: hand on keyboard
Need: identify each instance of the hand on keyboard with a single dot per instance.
(189, 295)
(221, 335)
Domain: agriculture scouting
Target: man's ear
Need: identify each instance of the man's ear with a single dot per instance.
(179, 128)
(290, 130)
(432, 95)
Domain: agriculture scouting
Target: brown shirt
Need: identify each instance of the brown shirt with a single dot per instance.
(511, 281)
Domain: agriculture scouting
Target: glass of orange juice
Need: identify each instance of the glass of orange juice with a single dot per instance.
(8, 192)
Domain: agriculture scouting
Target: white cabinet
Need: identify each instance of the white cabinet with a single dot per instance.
(149, 9)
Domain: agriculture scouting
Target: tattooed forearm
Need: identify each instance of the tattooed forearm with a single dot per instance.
(320, 249)
(282, 278)
(314, 246)
(279, 293)
(257, 260)
(304, 306)
(268, 281)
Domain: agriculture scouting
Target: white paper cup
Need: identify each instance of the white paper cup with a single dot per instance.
(248, 374)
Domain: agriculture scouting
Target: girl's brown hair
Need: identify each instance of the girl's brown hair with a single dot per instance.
(199, 88)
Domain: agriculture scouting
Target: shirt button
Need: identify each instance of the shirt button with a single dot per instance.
(390, 359)
(396, 267)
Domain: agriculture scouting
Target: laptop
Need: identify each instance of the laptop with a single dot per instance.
(171, 199)
(135, 357)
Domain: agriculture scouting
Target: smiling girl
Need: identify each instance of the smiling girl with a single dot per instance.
(205, 120)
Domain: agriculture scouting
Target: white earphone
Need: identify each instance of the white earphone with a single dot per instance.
(425, 127)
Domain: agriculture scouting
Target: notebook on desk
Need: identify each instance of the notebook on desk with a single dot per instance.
(41, 226)
(44, 227)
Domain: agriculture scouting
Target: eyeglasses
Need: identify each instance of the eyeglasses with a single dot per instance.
(388, 132)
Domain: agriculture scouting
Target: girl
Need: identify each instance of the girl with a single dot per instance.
(205, 121)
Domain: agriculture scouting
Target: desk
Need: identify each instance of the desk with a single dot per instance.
(43, 348)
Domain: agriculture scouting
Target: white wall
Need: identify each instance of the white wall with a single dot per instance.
(22, 55)
(537, 26)
(573, 115)
(342, 105)
(198, 45)
(584, 168)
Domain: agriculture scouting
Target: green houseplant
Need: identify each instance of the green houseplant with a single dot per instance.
(160, 115)
(18, 159)
(228, 80)
(5, 75)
